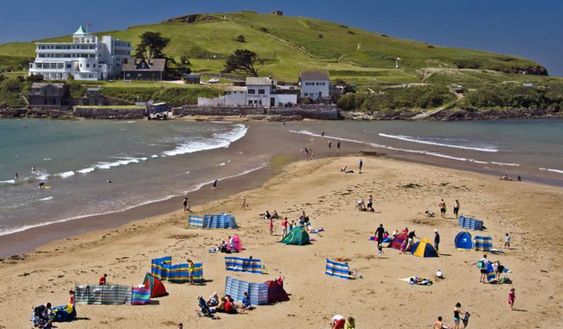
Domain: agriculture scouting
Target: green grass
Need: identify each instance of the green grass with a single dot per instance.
(293, 44)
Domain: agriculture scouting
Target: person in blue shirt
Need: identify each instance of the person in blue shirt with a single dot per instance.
(246, 302)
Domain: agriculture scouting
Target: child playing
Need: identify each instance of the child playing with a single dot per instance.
(511, 298)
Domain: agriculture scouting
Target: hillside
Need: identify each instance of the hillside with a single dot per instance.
(288, 45)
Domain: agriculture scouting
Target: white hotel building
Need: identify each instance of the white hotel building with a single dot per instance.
(87, 57)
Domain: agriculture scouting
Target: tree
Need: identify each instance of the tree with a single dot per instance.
(151, 46)
(241, 39)
(242, 60)
(185, 61)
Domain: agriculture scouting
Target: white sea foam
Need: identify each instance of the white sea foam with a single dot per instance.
(46, 199)
(427, 142)
(219, 140)
(118, 163)
(434, 154)
(505, 164)
(65, 174)
(9, 181)
(168, 197)
(86, 170)
(559, 171)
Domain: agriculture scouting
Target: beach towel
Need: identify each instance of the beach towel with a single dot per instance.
(238, 264)
(338, 269)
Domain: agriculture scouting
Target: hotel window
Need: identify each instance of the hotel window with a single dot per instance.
(261, 91)
(251, 91)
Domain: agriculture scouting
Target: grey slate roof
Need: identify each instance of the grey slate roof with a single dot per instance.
(314, 75)
(156, 64)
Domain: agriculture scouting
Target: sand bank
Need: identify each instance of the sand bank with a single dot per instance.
(378, 300)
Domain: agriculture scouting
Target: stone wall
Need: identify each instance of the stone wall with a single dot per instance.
(108, 113)
(327, 112)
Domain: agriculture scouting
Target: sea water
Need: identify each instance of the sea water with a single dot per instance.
(97, 167)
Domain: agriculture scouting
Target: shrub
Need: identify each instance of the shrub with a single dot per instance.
(263, 29)
(240, 38)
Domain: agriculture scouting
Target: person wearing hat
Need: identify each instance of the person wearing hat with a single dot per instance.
(436, 239)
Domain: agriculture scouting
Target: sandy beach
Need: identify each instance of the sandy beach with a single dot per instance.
(377, 300)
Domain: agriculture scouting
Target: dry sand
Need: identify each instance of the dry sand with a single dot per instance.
(532, 213)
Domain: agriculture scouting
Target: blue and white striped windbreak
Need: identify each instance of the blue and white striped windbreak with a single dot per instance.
(223, 221)
(239, 264)
(338, 269)
(470, 223)
(483, 243)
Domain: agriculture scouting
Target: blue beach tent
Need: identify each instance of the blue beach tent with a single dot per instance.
(463, 241)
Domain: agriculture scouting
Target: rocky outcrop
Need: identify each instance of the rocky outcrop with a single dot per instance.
(493, 114)
(194, 18)
(108, 113)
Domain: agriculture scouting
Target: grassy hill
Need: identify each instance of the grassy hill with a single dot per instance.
(289, 45)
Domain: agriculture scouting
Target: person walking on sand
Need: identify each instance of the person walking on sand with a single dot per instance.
(507, 239)
(244, 204)
(456, 208)
(436, 240)
(442, 206)
(360, 166)
(185, 204)
(380, 232)
(338, 146)
(512, 298)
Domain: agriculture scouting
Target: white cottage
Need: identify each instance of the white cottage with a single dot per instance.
(315, 84)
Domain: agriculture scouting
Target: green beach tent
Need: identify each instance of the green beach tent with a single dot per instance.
(297, 236)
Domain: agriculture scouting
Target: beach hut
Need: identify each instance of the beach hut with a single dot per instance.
(238, 264)
(470, 223)
(463, 241)
(338, 269)
(155, 286)
(268, 292)
(297, 236)
(424, 248)
(483, 243)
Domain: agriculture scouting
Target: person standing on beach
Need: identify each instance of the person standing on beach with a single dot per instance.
(436, 239)
(284, 225)
(361, 165)
(456, 208)
(191, 270)
(103, 280)
(338, 146)
(17, 176)
(215, 183)
(507, 239)
(442, 206)
(185, 204)
(484, 263)
(457, 315)
(512, 298)
(329, 145)
(271, 225)
(379, 232)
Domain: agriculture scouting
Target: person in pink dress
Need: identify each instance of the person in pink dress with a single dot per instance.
(511, 298)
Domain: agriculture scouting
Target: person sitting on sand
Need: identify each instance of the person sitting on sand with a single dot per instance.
(246, 302)
(370, 204)
(275, 215)
(267, 215)
(505, 178)
(103, 280)
(361, 205)
(337, 322)
(439, 324)
(350, 323)
(213, 300)
(429, 213)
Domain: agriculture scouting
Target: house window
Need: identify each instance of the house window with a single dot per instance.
(251, 91)
(249, 102)
(261, 91)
